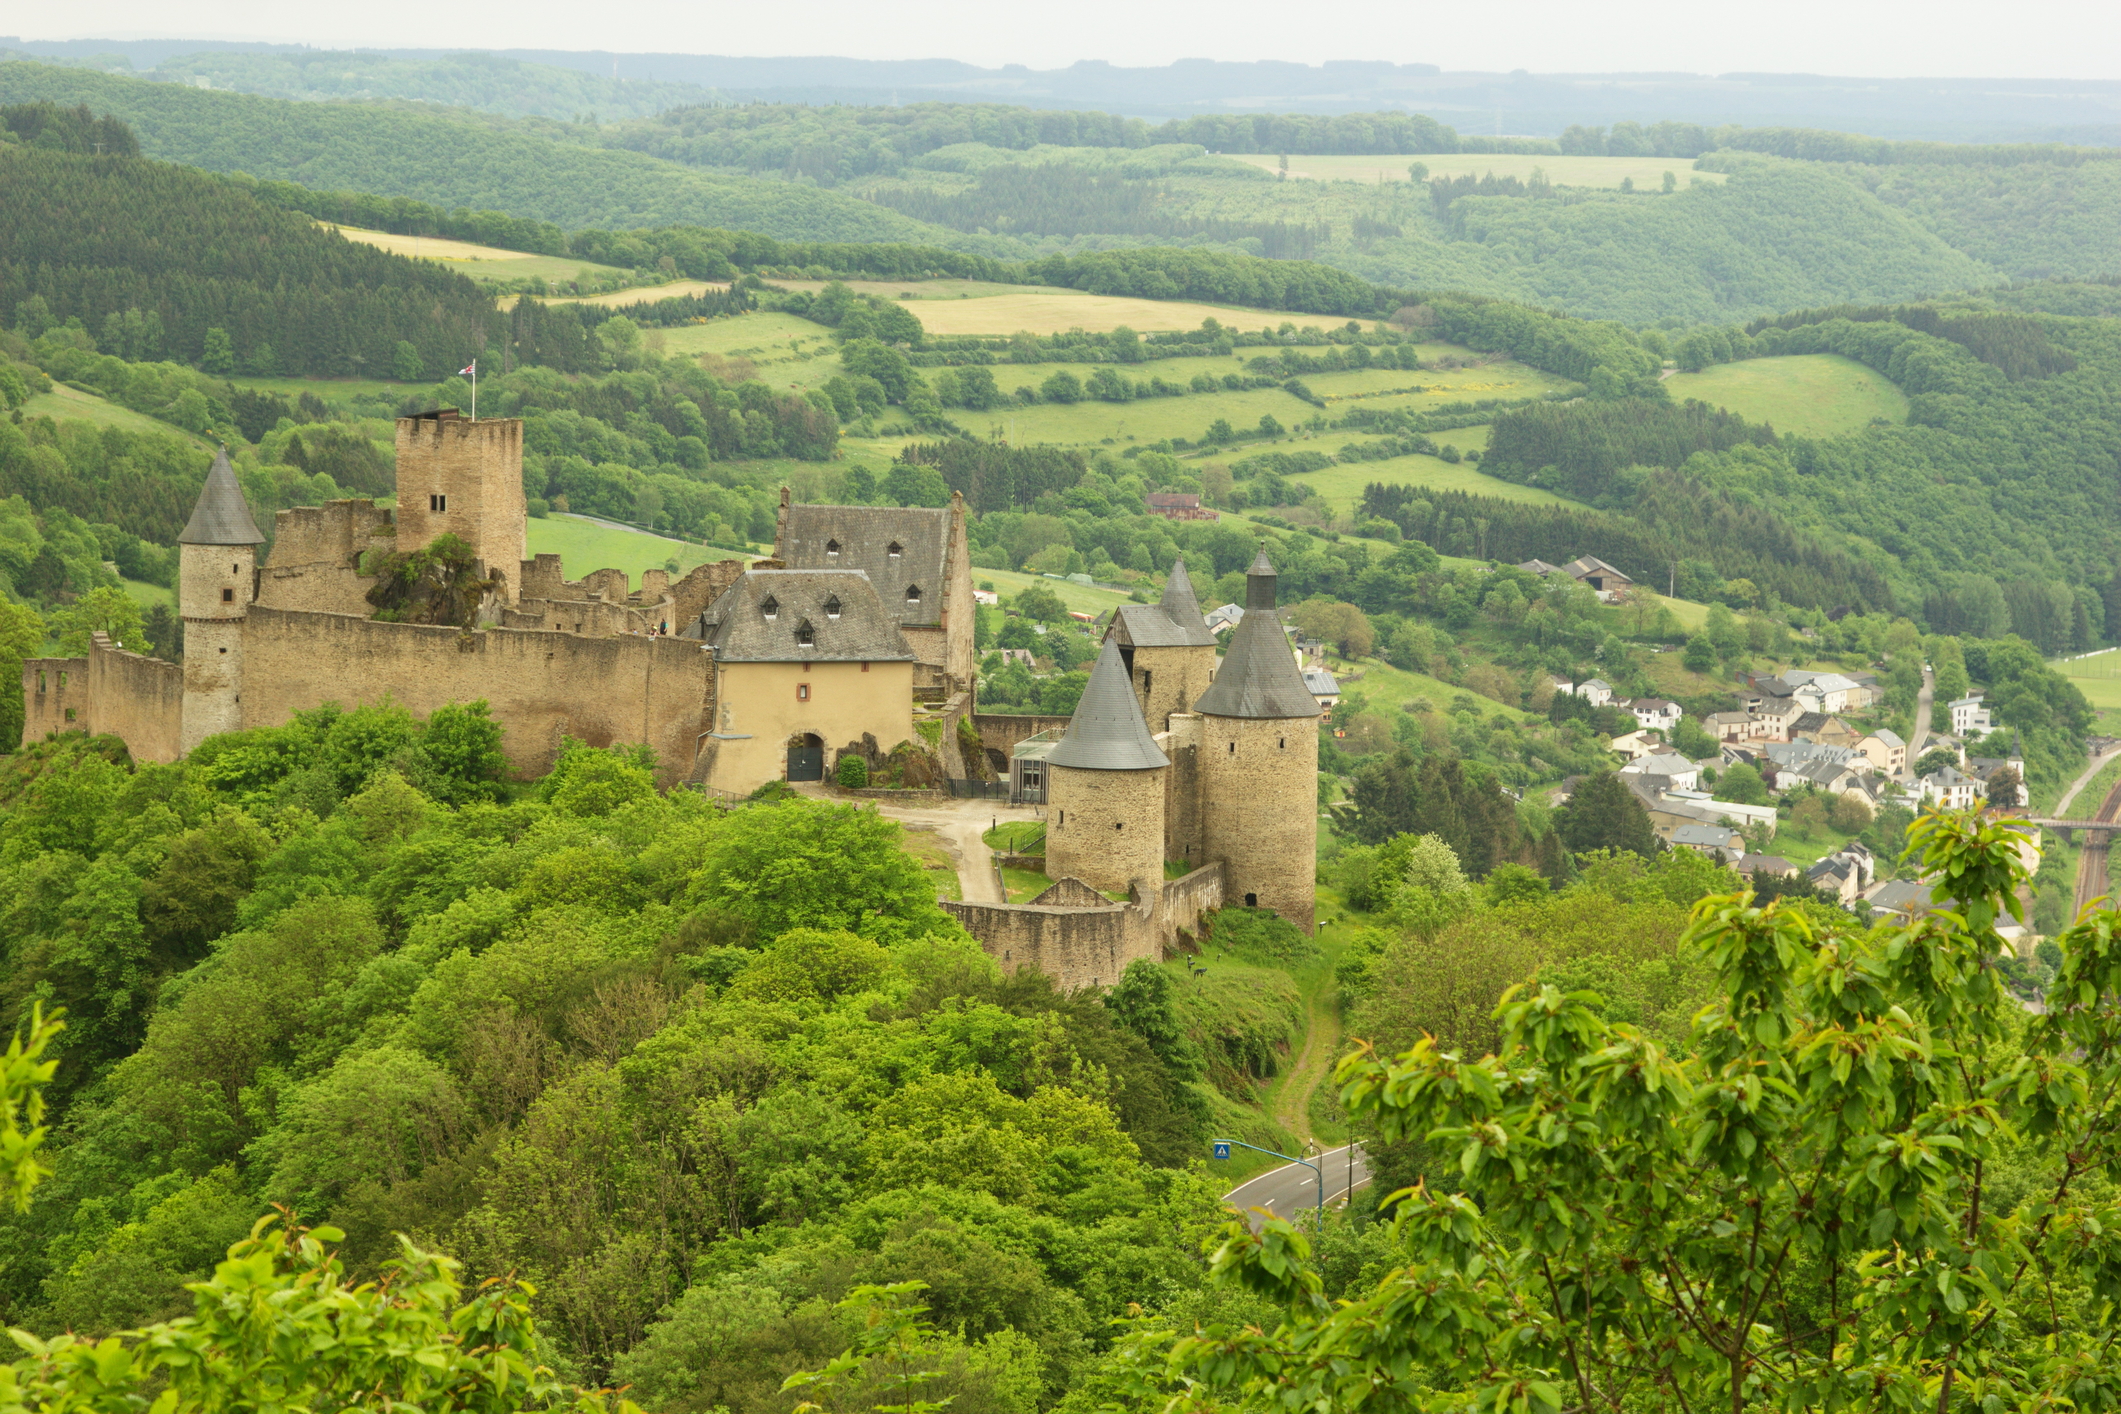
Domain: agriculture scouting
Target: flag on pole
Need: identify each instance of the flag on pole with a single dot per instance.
(469, 369)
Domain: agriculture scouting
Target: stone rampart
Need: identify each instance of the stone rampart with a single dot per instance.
(111, 691)
(540, 686)
(1090, 944)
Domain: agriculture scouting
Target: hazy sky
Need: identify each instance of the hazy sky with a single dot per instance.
(1884, 38)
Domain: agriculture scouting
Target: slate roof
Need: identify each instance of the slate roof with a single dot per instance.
(1258, 677)
(864, 536)
(221, 516)
(1107, 732)
(737, 627)
(1663, 763)
(1172, 622)
(1321, 682)
(1764, 864)
(1888, 736)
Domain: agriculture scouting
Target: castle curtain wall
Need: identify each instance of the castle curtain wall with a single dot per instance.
(540, 686)
(111, 692)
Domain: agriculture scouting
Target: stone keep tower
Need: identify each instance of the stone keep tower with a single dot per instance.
(1168, 649)
(1259, 764)
(1105, 788)
(217, 579)
(464, 478)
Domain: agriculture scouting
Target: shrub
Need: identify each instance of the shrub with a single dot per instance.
(853, 773)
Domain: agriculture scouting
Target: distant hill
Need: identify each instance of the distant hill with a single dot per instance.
(154, 257)
(1956, 110)
(453, 158)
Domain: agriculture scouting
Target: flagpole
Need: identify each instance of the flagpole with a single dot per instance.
(474, 390)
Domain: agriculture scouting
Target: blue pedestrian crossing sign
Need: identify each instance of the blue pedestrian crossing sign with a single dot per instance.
(1222, 1150)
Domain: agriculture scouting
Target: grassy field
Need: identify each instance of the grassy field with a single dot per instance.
(1389, 689)
(1342, 485)
(1813, 395)
(480, 262)
(1079, 598)
(1647, 172)
(634, 294)
(147, 596)
(2097, 677)
(586, 547)
(1154, 419)
(63, 404)
(331, 390)
(789, 354)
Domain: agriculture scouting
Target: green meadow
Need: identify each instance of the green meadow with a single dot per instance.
(1813, 395)
(584, 546)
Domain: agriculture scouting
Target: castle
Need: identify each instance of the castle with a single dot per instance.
(741, 673)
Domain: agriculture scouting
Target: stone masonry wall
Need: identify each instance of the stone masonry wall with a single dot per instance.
(136, 697)
(540, 686)
(1091, 947)
(1105, 828)
(478, 468)
(55, 696)
(1259, 811)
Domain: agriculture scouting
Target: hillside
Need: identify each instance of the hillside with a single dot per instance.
(189, 268)
(451, 158)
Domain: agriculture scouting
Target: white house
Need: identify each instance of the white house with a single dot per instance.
(1716, 811)
(1597, 691)
(1323, 686)
(1655, 713)
(1970, 717)
(1637, 744)
(1949, 789)
(1835, 692)
(1665, 771)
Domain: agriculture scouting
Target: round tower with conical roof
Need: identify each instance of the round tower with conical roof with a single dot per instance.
(1259, 764)
(1105, 788)
(216, 568)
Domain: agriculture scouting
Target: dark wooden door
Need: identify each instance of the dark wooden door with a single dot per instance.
(806, 763)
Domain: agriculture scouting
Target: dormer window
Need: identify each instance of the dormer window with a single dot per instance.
(895, 551)
(832, 549)
(770, 607)
(913, 596)
(805, 635)
(832, 608)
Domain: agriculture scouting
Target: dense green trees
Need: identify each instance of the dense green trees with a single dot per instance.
(1791, 1202)
(91, 237)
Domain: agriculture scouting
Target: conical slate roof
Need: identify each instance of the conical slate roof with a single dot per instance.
(1258, 677)
(1182, 609)
(221, 517)
(1107, 732)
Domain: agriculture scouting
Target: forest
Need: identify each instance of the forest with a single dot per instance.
(1804, 219)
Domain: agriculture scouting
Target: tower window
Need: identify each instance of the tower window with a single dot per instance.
(438, 503)
(1251, 900)
(1283, 743)
(1233, 748)
(235, 569)
(895, 551)
(832, 607)
(1119, 824)
(770, 606)
(832, 549)
(805, 635)
(228, 596)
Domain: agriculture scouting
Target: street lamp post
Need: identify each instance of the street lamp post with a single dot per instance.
(1222, 1151)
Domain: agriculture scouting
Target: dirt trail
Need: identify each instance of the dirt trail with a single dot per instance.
(1313, 1064)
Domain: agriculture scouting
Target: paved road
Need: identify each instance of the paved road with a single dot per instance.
(1291, 1189)
(2069, 797)
(1922, 717)
(960, 824)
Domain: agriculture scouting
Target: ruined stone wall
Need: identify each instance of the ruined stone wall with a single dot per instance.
(1076, 947)
(540, 686)
(1105, 828)
(55, 696)
(138, 698)
(316, 589)
(113, 691)
(693, 594)
(1090, 946)
(1259, 811)
(334, 533)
